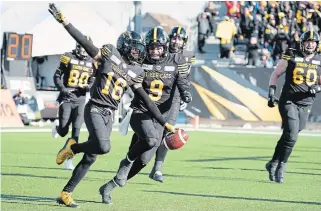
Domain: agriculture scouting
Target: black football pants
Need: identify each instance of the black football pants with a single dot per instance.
(294, 118)
(71, 113)
(99, 124)
(171, 119)
(145, 141)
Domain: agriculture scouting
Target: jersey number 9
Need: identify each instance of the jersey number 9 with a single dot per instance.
(156, 87)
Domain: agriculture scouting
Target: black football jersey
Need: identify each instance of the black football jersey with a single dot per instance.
(161, 80)
(113, 78)
(301, 73)
(76, 73)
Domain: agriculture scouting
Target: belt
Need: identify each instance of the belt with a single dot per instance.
(104, 110)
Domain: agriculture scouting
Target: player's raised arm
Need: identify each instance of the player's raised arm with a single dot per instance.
(150, 105)
(90, 48)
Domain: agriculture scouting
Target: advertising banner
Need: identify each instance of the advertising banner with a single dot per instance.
(9, 116)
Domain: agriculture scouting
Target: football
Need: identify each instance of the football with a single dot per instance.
(176, 140)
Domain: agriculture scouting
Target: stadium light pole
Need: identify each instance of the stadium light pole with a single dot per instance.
(138, 16)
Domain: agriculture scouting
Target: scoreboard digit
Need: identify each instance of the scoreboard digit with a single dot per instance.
(18, 46)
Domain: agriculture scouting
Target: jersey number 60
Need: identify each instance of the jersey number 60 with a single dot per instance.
(311, 76)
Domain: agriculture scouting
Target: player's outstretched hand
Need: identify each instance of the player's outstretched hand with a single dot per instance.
(56, 13)
(170, 127)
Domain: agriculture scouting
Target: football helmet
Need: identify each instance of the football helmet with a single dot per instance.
(80, 51)
(177, 39)
(157, 42)
(131, 45)
(309, 47)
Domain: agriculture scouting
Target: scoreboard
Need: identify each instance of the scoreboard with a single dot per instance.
(17, 46)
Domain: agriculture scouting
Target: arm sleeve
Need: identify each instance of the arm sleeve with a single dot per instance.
(58, 80)
(82, 40)
(288, 54)
(182, 81)
(93, 75)
(90, 82)
(139, 91)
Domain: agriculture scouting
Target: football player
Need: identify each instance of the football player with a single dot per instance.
(117, 71)
(163, 73)
(177, 42)
(302, 70)
(73, 78)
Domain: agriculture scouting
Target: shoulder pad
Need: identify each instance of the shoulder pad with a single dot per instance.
(288, 54)
(136, 73)
(107, 50)
(65, 58)
(179, 58)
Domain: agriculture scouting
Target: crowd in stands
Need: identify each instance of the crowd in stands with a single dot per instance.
(266, 28)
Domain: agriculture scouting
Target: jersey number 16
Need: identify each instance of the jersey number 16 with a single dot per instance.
(118, 89)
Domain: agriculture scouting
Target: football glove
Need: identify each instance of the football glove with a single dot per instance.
(186, 97)
(56, 13)
(314, 89)
(182, 106)
(65, 92)
(271, 99)
(170, 127)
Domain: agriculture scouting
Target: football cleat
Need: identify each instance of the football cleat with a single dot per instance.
(271, 168)
(157, 176)
(66, 199)
(279, 174)
(105, 191)
(54, 129)
(69, 165)
(66, 152)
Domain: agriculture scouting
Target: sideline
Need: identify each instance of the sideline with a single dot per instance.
(213, 130)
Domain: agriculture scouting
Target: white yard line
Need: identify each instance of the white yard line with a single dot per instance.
(213, 130)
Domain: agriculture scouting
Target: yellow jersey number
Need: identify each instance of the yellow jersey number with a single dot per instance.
(311, 76)
(156, 87)
(77, 79)
(118, 89)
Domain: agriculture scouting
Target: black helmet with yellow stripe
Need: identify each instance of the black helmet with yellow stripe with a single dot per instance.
(156, 40)
(309, 48)
(177, 39)
(80, 51)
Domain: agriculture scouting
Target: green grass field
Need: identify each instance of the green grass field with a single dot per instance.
(214, 172)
